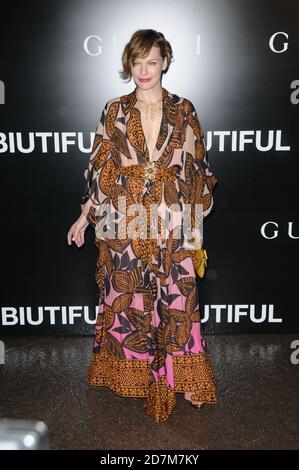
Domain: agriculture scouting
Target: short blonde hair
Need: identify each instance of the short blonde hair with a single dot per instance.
(140, 45)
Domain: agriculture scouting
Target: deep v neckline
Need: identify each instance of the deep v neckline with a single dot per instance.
(146, 151)
(150, 157)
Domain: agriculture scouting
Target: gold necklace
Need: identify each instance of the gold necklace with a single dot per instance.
(150, 109)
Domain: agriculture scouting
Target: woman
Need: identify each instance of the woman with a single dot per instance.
(148, 151)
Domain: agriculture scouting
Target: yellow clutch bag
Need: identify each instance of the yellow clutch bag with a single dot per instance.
(200, 258)
(201, 261)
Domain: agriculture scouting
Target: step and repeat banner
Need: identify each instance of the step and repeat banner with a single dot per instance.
(238, 62)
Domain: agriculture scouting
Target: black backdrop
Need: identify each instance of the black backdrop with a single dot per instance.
(237, 61)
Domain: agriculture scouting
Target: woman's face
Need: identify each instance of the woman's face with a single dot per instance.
(148, 68)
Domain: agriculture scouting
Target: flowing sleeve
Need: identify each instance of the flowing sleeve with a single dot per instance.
(198, 180)
(101, 149)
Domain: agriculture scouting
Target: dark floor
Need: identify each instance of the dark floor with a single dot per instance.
(44, 378)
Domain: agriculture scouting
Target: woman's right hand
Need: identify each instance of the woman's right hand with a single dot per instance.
(77, 231)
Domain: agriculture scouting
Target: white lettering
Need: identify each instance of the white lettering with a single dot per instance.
(285, 44)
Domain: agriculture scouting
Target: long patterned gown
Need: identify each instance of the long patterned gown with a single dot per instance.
(148, 341)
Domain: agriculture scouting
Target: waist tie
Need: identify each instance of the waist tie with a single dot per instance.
(152, 171)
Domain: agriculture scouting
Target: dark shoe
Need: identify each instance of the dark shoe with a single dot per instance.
(196, 405)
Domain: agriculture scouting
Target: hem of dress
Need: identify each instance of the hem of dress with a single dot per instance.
(192, 373)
